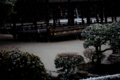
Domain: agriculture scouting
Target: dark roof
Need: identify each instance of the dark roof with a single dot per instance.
(77, 0)
(72, 0)
(58, 0)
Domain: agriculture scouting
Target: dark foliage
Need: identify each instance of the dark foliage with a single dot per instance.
(16, 65)
(5, 12)
(29, 10)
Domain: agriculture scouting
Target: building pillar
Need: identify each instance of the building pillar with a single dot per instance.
(72, 14)
(88, 12)
(47, 20)
(14, 31)
(106, 11)
(69, 13)
(102, 13)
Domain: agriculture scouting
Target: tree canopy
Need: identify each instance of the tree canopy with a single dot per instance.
(5, 12)
(103, 34)
(28, 10)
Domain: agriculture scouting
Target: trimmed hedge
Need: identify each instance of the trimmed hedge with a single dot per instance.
(17, 65)
(68, 60)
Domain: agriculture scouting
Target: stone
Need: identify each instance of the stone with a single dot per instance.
(112, 64)
(82, 74)
(114, 58)
(93, 75)
(54, 77)
(77, 77)
(106, 62)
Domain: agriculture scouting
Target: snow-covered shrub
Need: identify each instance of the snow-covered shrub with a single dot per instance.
(68, 62)
(91, 55)
(88, 53)
(17, 65)
(101, 35)
(86, 31)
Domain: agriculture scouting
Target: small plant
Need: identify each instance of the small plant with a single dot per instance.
(95, 57)
(68, 62)
(17, 65)
(88, 53)
(91, 55)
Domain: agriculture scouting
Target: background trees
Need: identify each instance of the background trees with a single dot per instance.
(5, 12)
(29, 10)
(22, 10)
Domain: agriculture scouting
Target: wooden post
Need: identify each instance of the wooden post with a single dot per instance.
(72, 14)
(47, 20)
(35, 22)
(82, 15)
(102, 16)
(69, 13)
(97, 17)
(47, 16)
(14, 26)
(54, 17)
(106, 11)
(112, 4)
(105, 17)
(88, 12)
(115, 10)
(54, 23)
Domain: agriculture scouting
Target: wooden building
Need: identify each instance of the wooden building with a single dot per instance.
(67, 10)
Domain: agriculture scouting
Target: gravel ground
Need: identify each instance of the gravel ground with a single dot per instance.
(47, 51)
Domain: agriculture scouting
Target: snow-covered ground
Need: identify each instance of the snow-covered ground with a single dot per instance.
(47, 51)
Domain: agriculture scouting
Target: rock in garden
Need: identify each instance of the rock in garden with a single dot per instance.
(114, 58)
(82, 74)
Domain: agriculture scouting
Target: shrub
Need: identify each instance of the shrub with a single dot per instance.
(17, 65)
(91, 55)
(68, 62)
(88, 53)
(101, 35)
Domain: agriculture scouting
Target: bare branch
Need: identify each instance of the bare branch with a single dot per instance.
(106, 50)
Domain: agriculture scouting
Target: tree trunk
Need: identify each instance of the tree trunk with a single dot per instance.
(14, 26)
(72, 16)
(97, 18)
(47, 19)
(97, 52)
(105, 17)
(105, 10)
(88, 12)
(102, 15)
(82, 15)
